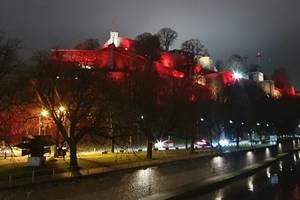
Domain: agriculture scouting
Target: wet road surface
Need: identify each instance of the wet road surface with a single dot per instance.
(280, 181)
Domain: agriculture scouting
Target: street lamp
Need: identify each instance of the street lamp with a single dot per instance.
(230, 122)
(62, 109)
(201, 119)
(237, 75)
(258, 124)
(44, 113)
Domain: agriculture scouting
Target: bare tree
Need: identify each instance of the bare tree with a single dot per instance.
(166, 36)
(236, 63)
(9, 63)
(194, 47)
(73, 99)
(144, 87)
(147, 45)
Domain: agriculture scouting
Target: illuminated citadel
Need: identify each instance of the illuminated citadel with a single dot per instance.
(118, 56)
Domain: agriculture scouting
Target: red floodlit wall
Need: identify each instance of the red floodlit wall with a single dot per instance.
(165, 66)
(102, 58)
(197, 69)
(292, 90)
(127, 44)
(287, 90)
(166, 59)
(99, 58)
(227, 77)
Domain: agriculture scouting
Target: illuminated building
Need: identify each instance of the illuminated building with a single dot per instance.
(118, 56)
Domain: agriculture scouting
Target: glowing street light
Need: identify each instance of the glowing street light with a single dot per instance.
(44, 113)
(230, 122)
(62, 109)
(258, 124)
(237, 75)
(201, 119)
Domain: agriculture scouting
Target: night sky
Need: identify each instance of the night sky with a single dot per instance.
(224, 26)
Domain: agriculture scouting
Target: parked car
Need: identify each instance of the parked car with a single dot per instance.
(201, 143)
(164, 144)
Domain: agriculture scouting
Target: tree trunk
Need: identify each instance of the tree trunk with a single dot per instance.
(250, 138)
(112, 144)
(149, 147)
(192, 142)
(237, 140)
(73, 155)
(210, 137)
(186, 141)
(56, 143)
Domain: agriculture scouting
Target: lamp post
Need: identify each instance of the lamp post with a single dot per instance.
(44, 113)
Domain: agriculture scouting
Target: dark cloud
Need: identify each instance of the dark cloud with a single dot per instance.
(225, 26)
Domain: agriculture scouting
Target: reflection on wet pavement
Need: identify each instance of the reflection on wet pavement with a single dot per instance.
(280, 181)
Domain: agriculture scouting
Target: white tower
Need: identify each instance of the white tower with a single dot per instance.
(114, 39)
(256, 76)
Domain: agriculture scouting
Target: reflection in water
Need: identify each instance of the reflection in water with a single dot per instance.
(144, 179)
(143, 176)
(280, 183)
(296, 194)
(217, 165)
(218, 161)
(250, 157)
(268, 172)
(295, 159)
(268, 153)
(219, 195)
(250, 184)
(280, 165)
(274, 179)
(279, 147)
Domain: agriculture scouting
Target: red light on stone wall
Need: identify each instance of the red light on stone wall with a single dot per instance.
(197, 69)
(227, 77)
(193, 98)
(166, 60)
(117, 76)
(126, 43)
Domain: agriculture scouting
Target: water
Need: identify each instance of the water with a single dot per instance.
(280, 181)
